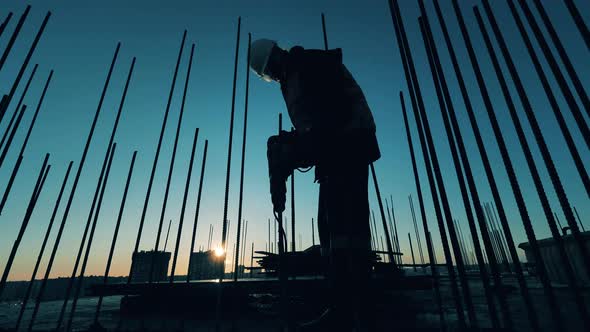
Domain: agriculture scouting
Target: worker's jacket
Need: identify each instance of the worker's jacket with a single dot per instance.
(323, 98)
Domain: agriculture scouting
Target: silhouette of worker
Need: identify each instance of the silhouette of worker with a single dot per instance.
(335, 132)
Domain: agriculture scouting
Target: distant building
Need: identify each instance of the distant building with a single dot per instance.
(142, 264)
(204, 265)
(552, 259)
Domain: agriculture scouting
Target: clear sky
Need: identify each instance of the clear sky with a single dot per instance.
(81, 38)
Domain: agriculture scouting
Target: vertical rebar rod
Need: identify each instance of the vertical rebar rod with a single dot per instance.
(198, 206)
(554, 66)
(554, 107)
(27, 296)
(115, 235)
(252, 262)
(12, 133)
(502, 240)
(269, 237)
(462, 243)
(412, 251)
(579, 21)
(244, 246)
(210, 236)
(395, 228)
(569, 216)
(486, 163)
(382, 211)
(25, 64)
(95, 198)
(73, 191)
(514, 184)
(416, 229)
(5, 23)
(27, 217)
(293, 249)
(579, 219)
(243, 160)
(554, 176)
(571, 71)
(371, 231)
(167, 235)
(90, 239)
(488, 244)
(495, 238)
(14, 35)
(20, 102)
(429, 152)
(183, 207)
(156, 157)
(24, 144)
(224, 231)
(173, 158)
(313, 232)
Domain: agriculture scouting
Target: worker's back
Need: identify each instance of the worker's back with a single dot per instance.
(320, 92)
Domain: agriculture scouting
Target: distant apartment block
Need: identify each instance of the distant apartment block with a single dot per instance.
(142, 264)
(204, 265)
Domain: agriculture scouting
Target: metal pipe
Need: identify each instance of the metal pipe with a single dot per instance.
(5, 23)
(24, 65)
(42, 250)
(73, 192)
(24, 145)
(115, 235)
(29, 211)
(424, 130)
(155, 164)
(487, 166)
(582, 27)
(241, 190)
(488, 244)
(95, 198)
(90, 239)
(14, 35)
(183, 208)
(506, 160)
(198, 207)
(20, 102)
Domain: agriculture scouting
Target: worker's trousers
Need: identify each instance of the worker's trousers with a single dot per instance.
(343, 225)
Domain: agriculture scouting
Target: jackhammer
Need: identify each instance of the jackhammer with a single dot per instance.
(280, 166)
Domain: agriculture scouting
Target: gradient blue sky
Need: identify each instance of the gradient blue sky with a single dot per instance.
(80, 40)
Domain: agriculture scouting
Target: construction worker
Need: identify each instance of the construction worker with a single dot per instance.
(335, 132)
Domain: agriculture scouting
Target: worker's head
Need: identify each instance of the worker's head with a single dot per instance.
(265, 59)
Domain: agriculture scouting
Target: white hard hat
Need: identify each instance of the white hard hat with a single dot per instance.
(260, 51)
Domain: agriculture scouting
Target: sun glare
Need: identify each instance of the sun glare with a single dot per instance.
(219, 252)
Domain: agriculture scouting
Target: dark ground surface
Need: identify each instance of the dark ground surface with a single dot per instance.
(395, 311)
